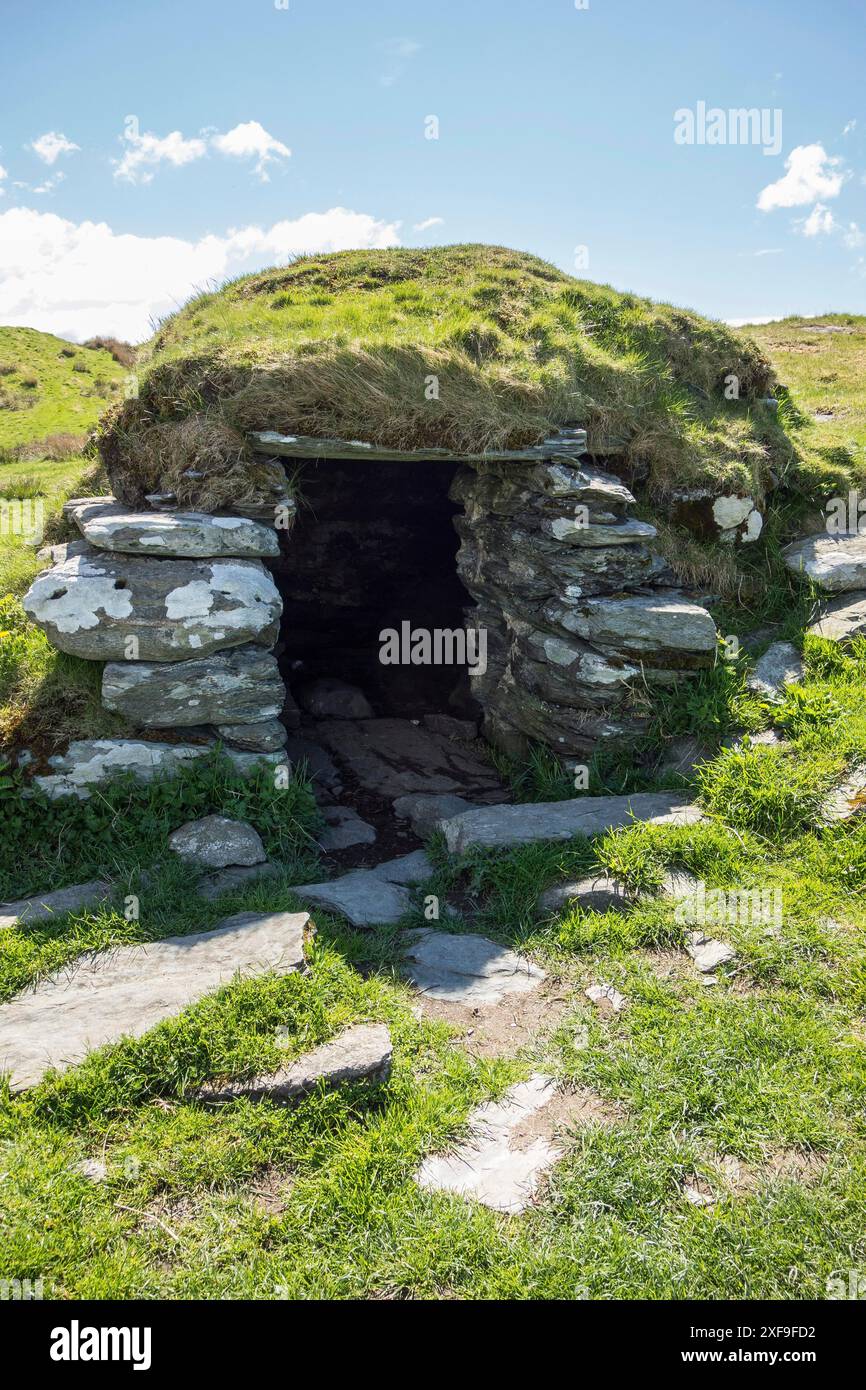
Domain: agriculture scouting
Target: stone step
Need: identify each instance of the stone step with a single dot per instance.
(837, 563)
(361, 1053)
(44, 906)
(466, 968)
(92, 605)
(501, 826)
(780, 665)
(841, 619)
(108, 525)
(91, 763)
(370, 897)
(239, 686)
(124, 992)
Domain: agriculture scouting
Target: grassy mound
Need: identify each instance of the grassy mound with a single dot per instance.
(52, 393)
(349, 345)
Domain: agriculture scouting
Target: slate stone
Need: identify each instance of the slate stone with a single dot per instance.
(364, 898)
(489, 1167)
(217, 842)
(424, 810)
(212, 886)
(407, 868)
(92, 763)
(449, 727)
(841, 619)
(345, 829)
(320, 766)
(92, 604)
(837, 563)
(638, 626)
(111, 526)
(269, 736)
(707, 953)
(606, 999)
(328, 698)
(598, 893)
(361, 1053)
(780, 665)
(125, 991)
(391, 757)
(239, 686)
(466, 968)
(561, 820)
(847, 800)
(44, 906)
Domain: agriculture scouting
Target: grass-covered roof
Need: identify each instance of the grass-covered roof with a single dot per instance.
(348, 346)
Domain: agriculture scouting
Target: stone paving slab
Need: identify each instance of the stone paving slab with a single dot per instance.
(44, 906)
(361, 1053)
(393, 757)
(487, 1167)
(841, 619)
(466, 968)
(114, 994)
(837, 563)
(497, 826)
(364, 898)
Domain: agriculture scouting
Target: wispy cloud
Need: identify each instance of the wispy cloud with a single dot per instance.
(811, 175)
(764, 251)
(398, 53)
(250, 140)
(851, 125)
(820, 222)
(144, 153)
(50, 146)
(427, 224)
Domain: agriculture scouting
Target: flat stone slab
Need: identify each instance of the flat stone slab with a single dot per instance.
(268, 736)
(837, 563)
(706, 952)
(406, 868)
(560, 820)
(239, 686)
(597, 893)
(847, 800)
(90, 763)
(841, 619)
(213, 886)
(124, 992)
(91, 605)
(469, 969)
(638, 626)
(362, 1053)
(44, 906)
(364, 898)
(345, 829)
(450, 727)
(491, 1166)
(329, 698)
(392, 757)
(424, 810)
(109, 525)
(780, 665)
(217, 842)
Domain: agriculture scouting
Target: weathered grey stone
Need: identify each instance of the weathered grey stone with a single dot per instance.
(780, 665)
(125, 991)
(488, 1166)
(346, 828)
(638, 626)
(111, 526)
(707, 953)
(407, 868)
(361, 1053)
(364, 898)
(329, 698)
(44, 906)
(319, 764)
(570, 530)
(561, 820)
(212, 886)
(239, 686)
(63, 550)
(449, 727)
(468, 968)
(391, 757)
(837, 563)
(606, 999)
(424, 810)
(90, 763)
(269, 736)
(598, 893)
(847, 800)
(841, 619)
(216, 842)
(92, 605)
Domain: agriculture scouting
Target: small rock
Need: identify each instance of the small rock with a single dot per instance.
(212, 886)
(346, 829)
(362, 1053)
(329, 698)
(216, 842)
(599, 893)
(780, 665)
(450, 727)
(606, 999)
(364, 898)
(268, 736)
(94, 1169)
(467, 968)
(407, 868)
(845, 801)
(424, 810)
(44, 906)
(707, 953)
(841, 619)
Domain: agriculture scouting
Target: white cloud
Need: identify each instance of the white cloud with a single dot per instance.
(50, 146)
(811, 174)
(851, 125)
(853, 236)
(3, 175)
(754, 318)
(80, 279)
(820, 221)
(251, 139)
(144, 151)
(428, 223)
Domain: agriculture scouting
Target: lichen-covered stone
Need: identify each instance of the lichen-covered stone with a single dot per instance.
(92, 605)
(837, 563)
(110, 526)
(217, 842)
(238, 686)
(91, 763)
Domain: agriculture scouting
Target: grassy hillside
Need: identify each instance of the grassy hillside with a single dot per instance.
(49, 387)
(348, 345)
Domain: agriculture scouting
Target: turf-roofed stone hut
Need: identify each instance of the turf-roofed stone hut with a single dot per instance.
(360, 441)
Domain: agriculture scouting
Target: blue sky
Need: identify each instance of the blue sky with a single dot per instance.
(216, 136)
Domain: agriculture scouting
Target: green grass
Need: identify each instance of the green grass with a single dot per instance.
(49, 387)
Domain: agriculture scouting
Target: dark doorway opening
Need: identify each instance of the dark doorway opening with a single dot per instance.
(373, 546)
